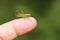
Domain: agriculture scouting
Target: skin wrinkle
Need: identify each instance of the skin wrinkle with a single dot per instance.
(6, 26)
(15, 28)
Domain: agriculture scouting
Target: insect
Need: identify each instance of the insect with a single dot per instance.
(22, 14)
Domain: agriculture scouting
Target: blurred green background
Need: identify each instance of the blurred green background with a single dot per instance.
(46, 12)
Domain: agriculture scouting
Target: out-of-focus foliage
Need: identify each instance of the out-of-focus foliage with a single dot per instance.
(46, 12)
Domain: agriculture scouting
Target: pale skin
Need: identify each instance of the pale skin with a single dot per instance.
(16, 27)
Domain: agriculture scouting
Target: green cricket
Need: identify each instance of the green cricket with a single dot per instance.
(22, 14)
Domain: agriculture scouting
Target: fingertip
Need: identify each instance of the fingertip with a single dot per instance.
(23, 26)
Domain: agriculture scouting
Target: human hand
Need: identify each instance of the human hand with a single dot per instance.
(17, 27)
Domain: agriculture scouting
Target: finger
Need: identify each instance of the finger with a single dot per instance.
(12, 29)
